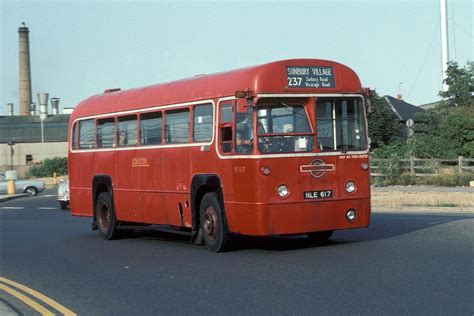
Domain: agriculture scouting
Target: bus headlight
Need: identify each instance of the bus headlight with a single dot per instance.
(350, 186)
(283, 190)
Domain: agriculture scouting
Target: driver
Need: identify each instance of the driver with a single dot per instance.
(243, 135)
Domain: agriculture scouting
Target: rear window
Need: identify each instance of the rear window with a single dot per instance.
(86, 134)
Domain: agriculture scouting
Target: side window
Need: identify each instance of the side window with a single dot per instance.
(225, 126)
(105, 133)
(86, 134)
(151, 128)
(74, 136)
(127, 131)
(177, 126)
(226, 112)
(203, 118)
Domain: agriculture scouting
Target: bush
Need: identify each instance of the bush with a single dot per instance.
(390, 168)
(49, 166)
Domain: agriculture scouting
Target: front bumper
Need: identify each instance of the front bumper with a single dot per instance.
(299, 217)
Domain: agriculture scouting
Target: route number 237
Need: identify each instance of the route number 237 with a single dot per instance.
(294, 81)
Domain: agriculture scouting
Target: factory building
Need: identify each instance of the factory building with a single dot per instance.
(33, 135)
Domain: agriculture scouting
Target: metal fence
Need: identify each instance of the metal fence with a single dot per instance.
(418, 167)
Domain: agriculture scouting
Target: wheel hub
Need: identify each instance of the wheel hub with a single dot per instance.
(104, 217)
(210, 224)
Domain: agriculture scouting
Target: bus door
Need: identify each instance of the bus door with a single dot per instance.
(202, 158)
(176, 165)
(225, 146)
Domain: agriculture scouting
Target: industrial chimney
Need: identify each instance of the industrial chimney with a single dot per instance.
(25, 70)
(55, 105)
(10, 109)
(43, 104)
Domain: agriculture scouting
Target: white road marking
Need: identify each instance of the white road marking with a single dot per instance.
(47, 195)
(12, 207)
(47, 208)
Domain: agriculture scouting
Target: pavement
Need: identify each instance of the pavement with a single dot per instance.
(7, 197)
(422, 188)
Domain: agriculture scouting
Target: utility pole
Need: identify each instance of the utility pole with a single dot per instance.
(444, 41)
(12, 152)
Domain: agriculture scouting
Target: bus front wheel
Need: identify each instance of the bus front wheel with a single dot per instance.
(105, 216)
(212, 224)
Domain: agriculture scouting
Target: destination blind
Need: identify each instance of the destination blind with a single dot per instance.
(310, 76)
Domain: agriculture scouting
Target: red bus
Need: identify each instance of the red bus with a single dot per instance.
(274, 149)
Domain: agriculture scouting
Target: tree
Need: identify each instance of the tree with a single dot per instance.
(460, 83)
(382, 123)
(449, 128)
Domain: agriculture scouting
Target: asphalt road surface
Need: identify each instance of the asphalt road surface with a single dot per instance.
(402, 264)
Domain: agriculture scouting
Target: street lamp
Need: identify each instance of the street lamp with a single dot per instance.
(43, 103)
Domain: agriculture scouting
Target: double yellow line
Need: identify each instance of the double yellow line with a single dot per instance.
(9, 287)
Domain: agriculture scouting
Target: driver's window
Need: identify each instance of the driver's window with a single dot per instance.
(243, 132)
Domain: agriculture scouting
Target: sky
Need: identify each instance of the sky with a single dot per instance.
(80, 48)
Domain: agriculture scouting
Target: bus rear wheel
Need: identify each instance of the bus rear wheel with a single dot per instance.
(320, 237)
(105, 217)
(212, 222)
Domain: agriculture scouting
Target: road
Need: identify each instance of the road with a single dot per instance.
(402, 264)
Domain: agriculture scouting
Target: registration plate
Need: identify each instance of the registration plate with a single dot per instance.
(320, 194)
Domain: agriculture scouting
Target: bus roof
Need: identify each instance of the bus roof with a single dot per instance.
(270, 78)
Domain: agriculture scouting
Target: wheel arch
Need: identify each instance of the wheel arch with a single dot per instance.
(200, 185)
(101, 183)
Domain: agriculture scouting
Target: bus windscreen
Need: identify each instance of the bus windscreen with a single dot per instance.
(283, 128)
(340, 124)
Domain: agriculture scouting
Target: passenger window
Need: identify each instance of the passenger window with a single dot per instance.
(105, 133)
(177, 126)
(203, 118)
(127, 131)
(86, 134)
(151, 128)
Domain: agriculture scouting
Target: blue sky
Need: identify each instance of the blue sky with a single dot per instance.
(80, 48)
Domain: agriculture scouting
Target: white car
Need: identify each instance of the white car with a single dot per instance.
(32, 187)
(63, 193)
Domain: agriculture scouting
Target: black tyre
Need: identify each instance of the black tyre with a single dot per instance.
(31, 190)
(320, 237)
(63, 205)
(105, 217)
(212, 222)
